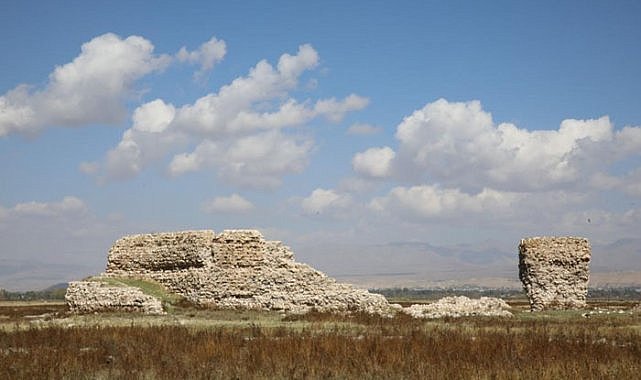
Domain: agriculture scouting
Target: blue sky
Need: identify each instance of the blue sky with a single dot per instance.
(350, 123)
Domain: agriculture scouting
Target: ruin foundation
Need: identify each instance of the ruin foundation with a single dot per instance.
(555, 271)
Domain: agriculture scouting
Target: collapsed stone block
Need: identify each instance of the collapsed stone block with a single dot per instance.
(94, 296)
(555, 271)
(460, 306)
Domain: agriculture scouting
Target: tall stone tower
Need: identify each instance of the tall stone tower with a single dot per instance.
(555, 271)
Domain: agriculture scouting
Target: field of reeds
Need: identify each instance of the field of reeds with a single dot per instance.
(40, 341)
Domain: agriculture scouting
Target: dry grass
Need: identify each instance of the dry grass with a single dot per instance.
(263, 345)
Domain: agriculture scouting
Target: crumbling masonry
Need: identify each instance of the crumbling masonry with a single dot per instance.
(555, 271)
(233, 269)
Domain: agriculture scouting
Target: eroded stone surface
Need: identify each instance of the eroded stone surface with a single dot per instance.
(460, 306)
(93, 296)
(236, 269)
(555, 271)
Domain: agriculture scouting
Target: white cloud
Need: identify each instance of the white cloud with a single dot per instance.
(459, 144)
(90, 89)
(216, 114)
(324, 201)
(334, 110)
(429, 201)
(258, 160)
(363, 129)
(67, 206)
(238, 131)
(374, 162)
(207, 55)
(154, 116)
(231, 204)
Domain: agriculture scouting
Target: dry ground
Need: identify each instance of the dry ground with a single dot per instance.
(39, 340)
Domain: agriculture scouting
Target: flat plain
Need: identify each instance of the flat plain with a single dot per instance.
(41, 340)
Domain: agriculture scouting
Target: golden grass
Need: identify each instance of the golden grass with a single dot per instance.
(205, 344)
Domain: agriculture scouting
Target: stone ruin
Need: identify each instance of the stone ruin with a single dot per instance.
(236, 269)
(555, 271)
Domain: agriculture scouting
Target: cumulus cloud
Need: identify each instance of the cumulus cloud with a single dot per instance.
(90, 89)
(154, 116)
(460, 145)
(238, 132)
(457, 165)
(363, 129)
(374, 162)
(430, 201)
(231, 204)
(258, 160)
(335, 110)
(207, 55)
(325, 201)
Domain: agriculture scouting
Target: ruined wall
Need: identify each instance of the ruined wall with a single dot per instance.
(555, 271)
(161, 251)
(91, 296)
(235, 269)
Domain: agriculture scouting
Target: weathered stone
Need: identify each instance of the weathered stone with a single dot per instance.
(555, 271)
(236, 269)
(460, 306)
(95, 296)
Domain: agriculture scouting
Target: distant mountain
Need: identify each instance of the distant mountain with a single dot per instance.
(23, 275)
(621, 255)
(412, 263)
(488, 264)
(59, 286)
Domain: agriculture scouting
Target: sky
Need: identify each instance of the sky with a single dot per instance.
(360, 133)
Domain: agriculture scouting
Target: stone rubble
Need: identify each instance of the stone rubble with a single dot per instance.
(460, 306)
(555, 271)
(92, 297)
(236, 269)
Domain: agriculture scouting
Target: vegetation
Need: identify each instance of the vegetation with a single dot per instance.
(197, 343)
(148, 287)
(409, 294)
(56, 292)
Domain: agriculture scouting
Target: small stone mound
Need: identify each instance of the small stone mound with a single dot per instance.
(460, 306)
(93, 296)
(555, 271)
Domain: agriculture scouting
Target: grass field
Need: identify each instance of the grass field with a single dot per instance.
(40, 341)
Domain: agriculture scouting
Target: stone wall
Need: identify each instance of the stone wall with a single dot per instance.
(93, 296)
(555, 271)
(235, 269)
(162, 251)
